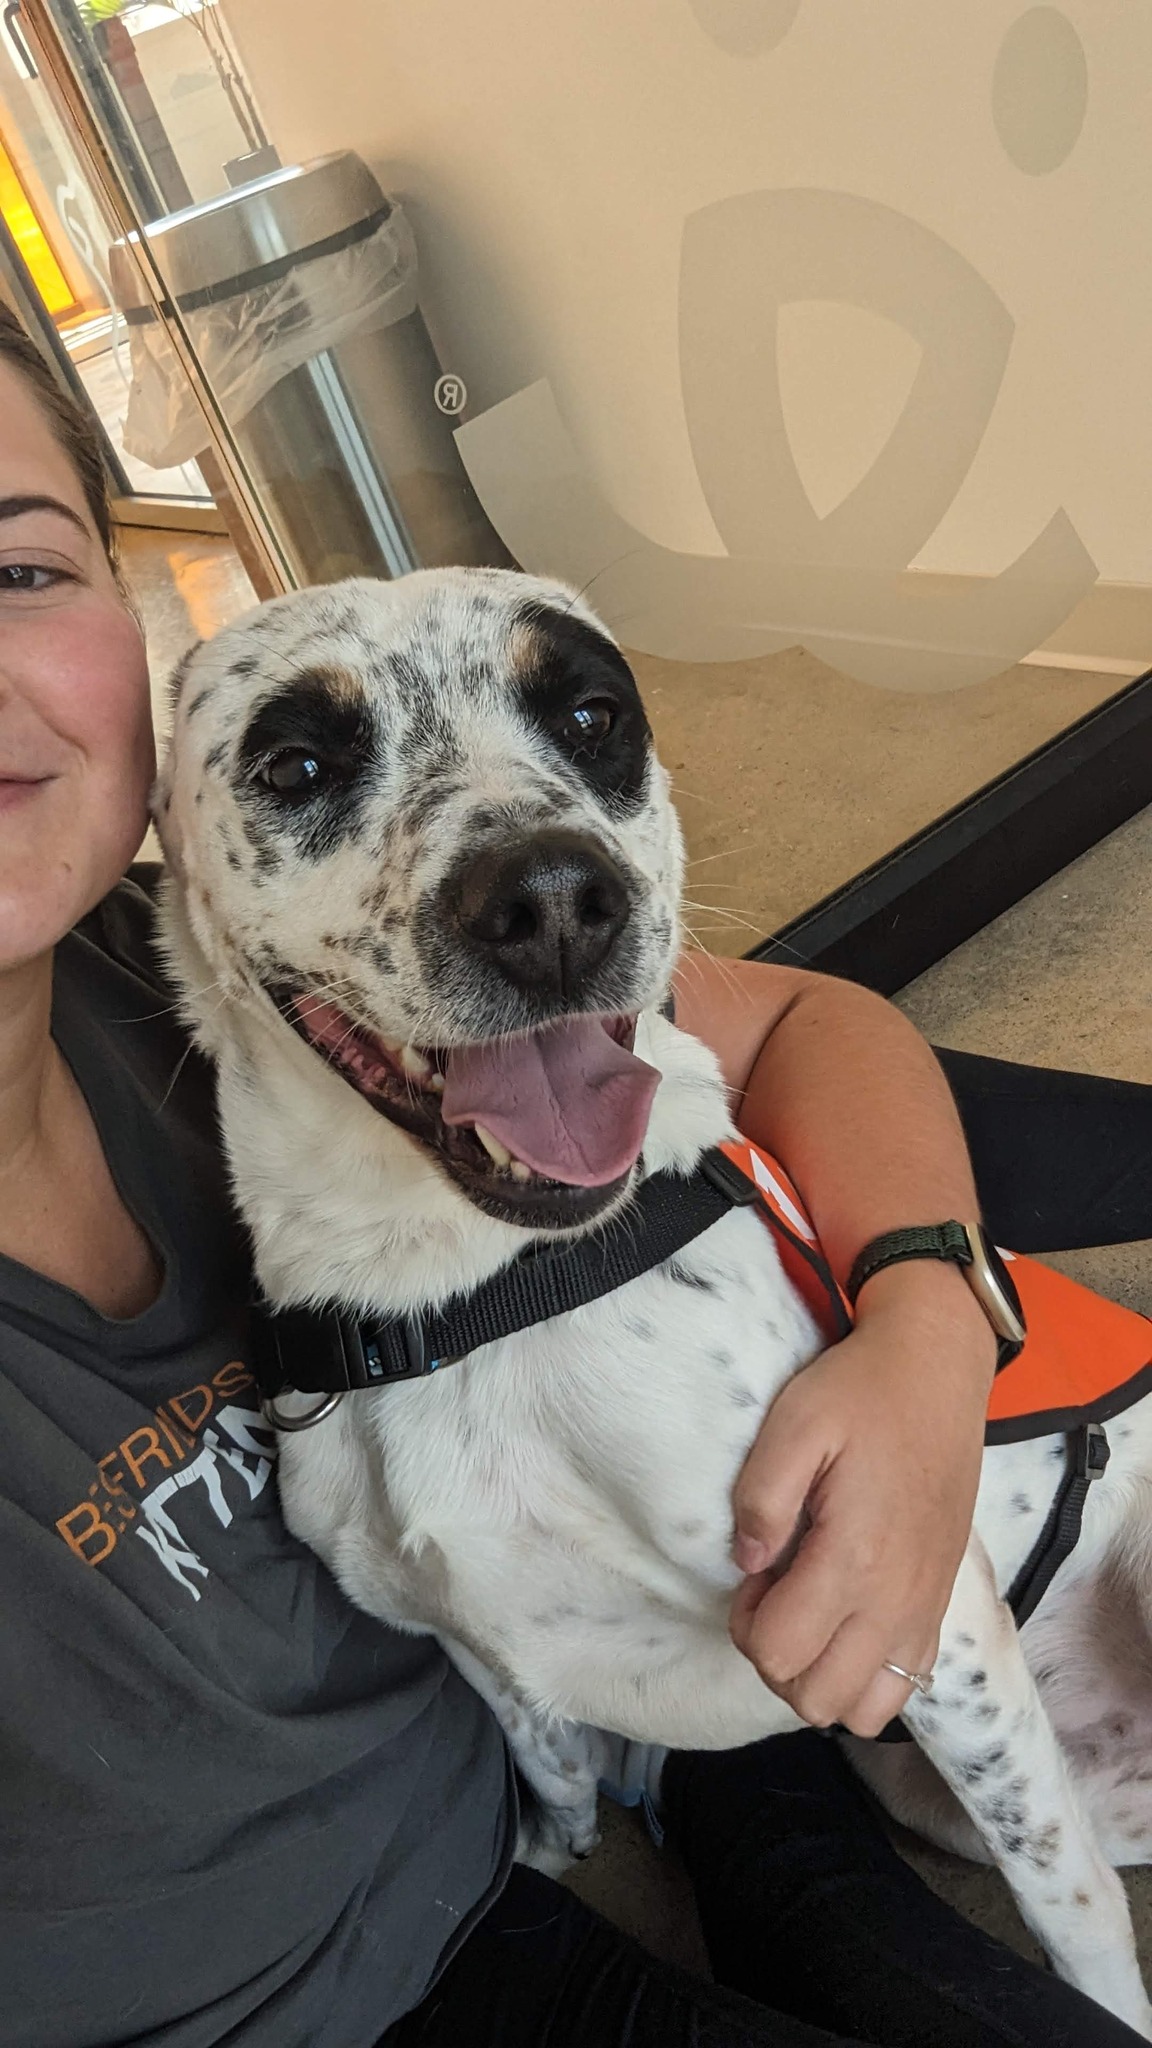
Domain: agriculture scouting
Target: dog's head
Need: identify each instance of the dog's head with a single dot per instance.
(421, 825)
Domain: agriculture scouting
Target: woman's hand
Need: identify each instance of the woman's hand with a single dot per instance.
(855, 1503)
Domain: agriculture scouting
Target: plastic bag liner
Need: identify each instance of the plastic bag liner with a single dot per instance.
(248, 340)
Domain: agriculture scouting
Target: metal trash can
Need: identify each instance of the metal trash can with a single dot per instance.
(299, 293)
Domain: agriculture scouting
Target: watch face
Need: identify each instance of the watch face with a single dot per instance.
(992, 1283)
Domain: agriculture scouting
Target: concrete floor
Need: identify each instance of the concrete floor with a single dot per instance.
(794, 779)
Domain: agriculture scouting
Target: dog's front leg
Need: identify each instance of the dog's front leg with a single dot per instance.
(560, 1761)
(985, 1729)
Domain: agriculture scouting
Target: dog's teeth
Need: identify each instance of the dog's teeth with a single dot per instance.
(393, 1045)
(494, 1148)
(520, 1171)
(435, 1083)
(414, 1063)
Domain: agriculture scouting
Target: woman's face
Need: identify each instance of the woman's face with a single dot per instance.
(76, 753)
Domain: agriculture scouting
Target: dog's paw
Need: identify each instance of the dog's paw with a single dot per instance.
(552, 1839)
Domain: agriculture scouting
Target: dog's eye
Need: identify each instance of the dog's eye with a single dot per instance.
(588, 724)
(295, 771)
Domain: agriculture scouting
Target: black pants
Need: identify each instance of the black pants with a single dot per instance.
(819, 1935)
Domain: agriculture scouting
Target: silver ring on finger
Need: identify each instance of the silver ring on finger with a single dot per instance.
(920, 1681)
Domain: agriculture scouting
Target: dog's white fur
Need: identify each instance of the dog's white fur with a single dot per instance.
(556, 1508)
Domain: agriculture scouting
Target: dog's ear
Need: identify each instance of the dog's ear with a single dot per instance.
(179, 675)
(160, 801)
(163, 816)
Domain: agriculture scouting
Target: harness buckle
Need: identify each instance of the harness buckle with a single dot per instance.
(1094, 1452)
(380, 1356)
(728, 1179)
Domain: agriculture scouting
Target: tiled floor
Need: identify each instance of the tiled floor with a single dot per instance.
(187, 587)
(794, 779)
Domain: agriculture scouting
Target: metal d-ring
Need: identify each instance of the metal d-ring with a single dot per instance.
(308, 1421)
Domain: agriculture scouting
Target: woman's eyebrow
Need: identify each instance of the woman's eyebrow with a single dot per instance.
(11, 508)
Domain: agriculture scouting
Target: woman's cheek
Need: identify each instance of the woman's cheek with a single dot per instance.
(99, 697)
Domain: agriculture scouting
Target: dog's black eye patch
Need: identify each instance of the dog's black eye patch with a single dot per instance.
(304, 758)
(578, 688)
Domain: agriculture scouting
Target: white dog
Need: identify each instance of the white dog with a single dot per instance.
(424, 911)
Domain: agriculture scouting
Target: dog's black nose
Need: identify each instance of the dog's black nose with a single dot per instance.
(547, 911)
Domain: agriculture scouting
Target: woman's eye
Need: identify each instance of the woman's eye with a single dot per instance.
(295, 772)
(27, 576)
(588, 724)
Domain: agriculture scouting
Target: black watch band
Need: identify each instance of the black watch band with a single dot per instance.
(925, 1241)
(968, 1246)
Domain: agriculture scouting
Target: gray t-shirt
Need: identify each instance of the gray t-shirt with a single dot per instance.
(232, 1808)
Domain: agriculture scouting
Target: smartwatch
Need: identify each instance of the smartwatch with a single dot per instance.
(970, 1247)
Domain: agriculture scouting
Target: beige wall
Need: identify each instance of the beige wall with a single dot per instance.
(552, 153)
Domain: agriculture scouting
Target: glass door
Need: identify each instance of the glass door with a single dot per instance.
(54, 246)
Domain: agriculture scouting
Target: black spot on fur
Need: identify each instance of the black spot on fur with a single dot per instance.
(179, 674)
(216, 756)
(977, 1679)
(366, 946)
(485, 819)
(640, 1328)
(1044, 1845)
(437, 786)
(687, 1278)
(201, 698)
(572, 664)
(266, 856)
(1020, 1504)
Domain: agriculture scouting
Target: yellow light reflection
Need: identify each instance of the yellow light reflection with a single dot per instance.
(30, 239)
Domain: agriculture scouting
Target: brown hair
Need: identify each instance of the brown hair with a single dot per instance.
(72, 427)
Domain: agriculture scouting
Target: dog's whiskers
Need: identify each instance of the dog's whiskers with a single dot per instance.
(602, 571)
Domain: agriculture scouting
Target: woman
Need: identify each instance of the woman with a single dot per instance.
(231, 1807)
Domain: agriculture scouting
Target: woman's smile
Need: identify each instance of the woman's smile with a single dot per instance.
(18, 790)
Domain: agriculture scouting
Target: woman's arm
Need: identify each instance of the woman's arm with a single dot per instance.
(877, 1444)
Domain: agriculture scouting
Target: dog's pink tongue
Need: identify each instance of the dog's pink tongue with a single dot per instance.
(568, 1101)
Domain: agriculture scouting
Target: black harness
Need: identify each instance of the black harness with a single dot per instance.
(327, 1351)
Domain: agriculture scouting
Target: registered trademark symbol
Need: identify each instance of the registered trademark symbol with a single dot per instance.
(451, 393)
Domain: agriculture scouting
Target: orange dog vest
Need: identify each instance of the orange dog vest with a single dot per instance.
(1084, 1360)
